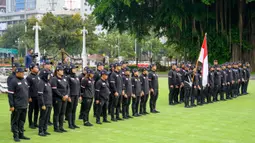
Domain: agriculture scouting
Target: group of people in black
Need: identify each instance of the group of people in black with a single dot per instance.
(226, 81)
(110, 92)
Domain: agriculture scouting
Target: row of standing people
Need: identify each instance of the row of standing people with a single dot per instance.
(224, 82)
(62, 90)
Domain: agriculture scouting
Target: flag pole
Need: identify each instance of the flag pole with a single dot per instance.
(197, 63)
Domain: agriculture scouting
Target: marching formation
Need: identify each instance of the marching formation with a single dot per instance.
(111, 92)
(226, 81)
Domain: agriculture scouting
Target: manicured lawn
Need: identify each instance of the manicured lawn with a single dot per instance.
(232, 121)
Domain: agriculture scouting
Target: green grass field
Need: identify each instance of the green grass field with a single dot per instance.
(222, 122)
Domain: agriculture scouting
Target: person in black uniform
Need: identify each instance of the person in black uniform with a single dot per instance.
(97, 76)
(44, 101)
(187, 85)
(137, 92)
(172, 84)
(153, 84)
(81, 76)
(145, 91)
(18, 101)
(111, 70)
(195, 87)
(217, 83)
(116, 87)
(60, 88)
(74, 85)
(179, 84)
(32, 80)
(236, 80)
(245, 80)
(200, 94)
(182, 71)
(123, 67)
(223, 82)
(102, 93)
(230, 82)
(211, 85)
(47, 65)
(88, 92)
(127, 87)
(11, 76)
(248, 75)
(240, 77)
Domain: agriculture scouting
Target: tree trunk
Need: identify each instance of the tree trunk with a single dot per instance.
(252, 62)
(225, 14)
(229, 26)
(240, 27)
(216, 10)
(221, 16)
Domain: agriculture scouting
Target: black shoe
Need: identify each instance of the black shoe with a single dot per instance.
(171, 103)
(193, 105)
(125, 117)
(71, 127)
(106, 121)
(114, 120)
(46, 133)
(187, 106)
(153, 111)
(135, 115)
(32, 127)
(36, 125)
(58, 131)
(129, 116)
(75, 126)
(157, 111)
(63, 130)
(16, 139)
(23, 137)
(88, 124)
(146, 113)
(118, 118)
(50, 124)
(42, 134)
(99, 123)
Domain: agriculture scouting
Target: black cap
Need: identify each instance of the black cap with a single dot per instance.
(59, 67)
(117, 64)
(135, 70)
(19, 69)
(127, 69)
(100, 64)
(72, 66)
(111, 65)
(144, 69)
(32, 65)
(104, 72)
(123, 62)
(15, 65)
(90, 71)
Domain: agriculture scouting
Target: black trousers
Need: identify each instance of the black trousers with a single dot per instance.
(229, 91)
(239, 87)
(223, 90)
(110, 104)
(115, 107)
(176, 93)
(217, 89)
(71, 109)
(200, 96)
(33, 108)
(194, 95)
(102, 109)
(18, 121)
(187, 96)
(44, 117)
(182, 94)
(244, 87)
(211, 94)
(59, 113)
(171, 95)
(153, 100)
(205, 93)
(143, 103)
(81, 116)
(86, 106)
(236, 88)
(135, 104)
(125, 106)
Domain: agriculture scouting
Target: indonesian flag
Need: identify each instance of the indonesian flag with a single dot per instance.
(203, 58)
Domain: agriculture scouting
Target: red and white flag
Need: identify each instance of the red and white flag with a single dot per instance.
(203, 58)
